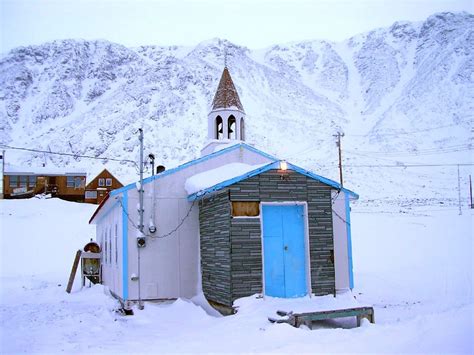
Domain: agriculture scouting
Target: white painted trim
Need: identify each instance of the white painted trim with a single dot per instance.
(306, 241)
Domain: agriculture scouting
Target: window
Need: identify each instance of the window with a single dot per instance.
(23, 180)
(102, 246)
(231, 129)
(108, 182)
(110, 246)
(91, 194)
(70, 181)
(105, 249)
(32, 181)
(245, 208)
(242, 129)
(13, 181)
(116, 245)
(101, 182)
(219, 128)
(78, 182)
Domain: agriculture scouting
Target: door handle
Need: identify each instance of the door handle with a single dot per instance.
(286, 247)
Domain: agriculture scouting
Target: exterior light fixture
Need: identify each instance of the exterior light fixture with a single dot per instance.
(283, 165)
(141, 242)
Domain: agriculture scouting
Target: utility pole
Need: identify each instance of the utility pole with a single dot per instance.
(459, 192)
(470, 193)
(2, 181)
(140, 192)
(338, 136)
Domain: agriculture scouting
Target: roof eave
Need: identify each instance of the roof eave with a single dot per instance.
(275, 164)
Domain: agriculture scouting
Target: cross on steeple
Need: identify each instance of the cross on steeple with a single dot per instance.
(225, 57)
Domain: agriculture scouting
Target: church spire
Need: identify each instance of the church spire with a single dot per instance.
(226, 95)
(227, 116)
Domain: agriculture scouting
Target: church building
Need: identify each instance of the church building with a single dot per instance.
(232, 223)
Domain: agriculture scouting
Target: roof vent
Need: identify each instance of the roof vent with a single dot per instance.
(160, 169)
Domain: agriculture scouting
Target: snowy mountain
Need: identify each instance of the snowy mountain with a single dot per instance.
(403, 94)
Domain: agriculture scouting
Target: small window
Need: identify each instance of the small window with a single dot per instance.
(91, 194)
(70, 181)
(13, 181)
(245, 208)
(78, 182)
(101, 182)
(104, 238)
(110, 246)
(23, 180)
(108, 182)
(231, 129)
(32, 181)
(116, 245)
(219, 128)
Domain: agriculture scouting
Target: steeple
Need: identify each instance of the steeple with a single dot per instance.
(227, 117)
(226, 95)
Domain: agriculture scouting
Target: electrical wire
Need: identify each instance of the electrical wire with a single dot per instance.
(404, 133)
(135, 226)
(428, 151)
(407, 165)
(66, 154)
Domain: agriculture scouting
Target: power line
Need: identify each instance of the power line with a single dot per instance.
(408, 165)
(66, 154)
(448, 149)
(404, 133)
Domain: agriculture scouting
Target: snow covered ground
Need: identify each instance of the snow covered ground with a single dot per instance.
(416, 269)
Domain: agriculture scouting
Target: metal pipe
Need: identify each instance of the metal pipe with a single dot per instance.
(459, 192)
(140, 226)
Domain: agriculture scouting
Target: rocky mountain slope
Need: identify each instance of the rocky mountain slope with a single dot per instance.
(403, 94)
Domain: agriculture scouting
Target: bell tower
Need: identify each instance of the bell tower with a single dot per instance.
(226, 121)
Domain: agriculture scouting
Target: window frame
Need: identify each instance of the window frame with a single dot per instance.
(31, 180)
(23, 181)
(233, 209)
(108, 182)
(101, 182)
(77, 182)
(116, 244)
(13, 181)
(94, 192)
(70, 181)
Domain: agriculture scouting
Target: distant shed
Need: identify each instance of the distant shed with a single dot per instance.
(100, 186)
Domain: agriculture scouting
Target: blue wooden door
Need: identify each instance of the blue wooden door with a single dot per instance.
(284, 250)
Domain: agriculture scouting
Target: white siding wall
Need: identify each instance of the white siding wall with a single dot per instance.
(340, 241)
(111, 246)
(170, 267)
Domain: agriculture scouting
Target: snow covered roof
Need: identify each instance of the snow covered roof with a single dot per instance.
(11, 169)
(216, 179)
(225, 150)
(215, 176)
(226, 94)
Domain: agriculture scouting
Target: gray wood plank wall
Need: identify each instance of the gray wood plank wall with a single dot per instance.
(234, 244)
(214, 226)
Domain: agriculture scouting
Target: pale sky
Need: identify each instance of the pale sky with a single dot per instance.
(251, 23)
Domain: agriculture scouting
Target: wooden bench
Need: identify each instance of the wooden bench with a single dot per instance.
(297, 319)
